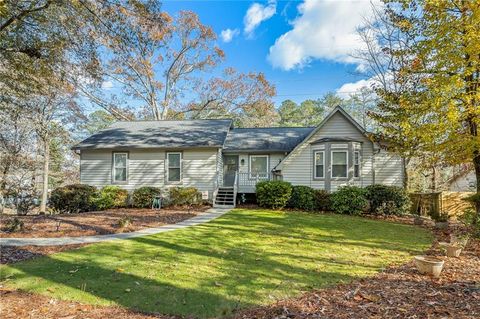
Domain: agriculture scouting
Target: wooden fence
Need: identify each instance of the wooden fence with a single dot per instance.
(432, 204)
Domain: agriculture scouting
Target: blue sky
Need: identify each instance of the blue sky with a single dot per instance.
(303, 47)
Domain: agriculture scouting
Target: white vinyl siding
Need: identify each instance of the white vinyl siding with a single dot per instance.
(147, 168)
(199, 169)
(298, 168)
(388, 169)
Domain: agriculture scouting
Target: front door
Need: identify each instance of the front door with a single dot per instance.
(230, 166)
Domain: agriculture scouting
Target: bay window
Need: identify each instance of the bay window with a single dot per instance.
(356, 164)
(320, 164)
(339, 164)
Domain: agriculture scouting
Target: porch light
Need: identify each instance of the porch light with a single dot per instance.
(242, 161)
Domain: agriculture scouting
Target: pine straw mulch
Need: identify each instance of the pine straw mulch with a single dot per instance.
(397, 292)
(12, 254)
(16, 304)
(97, 223)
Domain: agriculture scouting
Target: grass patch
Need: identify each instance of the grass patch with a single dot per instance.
(243, 259)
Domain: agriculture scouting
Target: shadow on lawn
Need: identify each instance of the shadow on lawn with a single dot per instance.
(131, 291)
(91, 282)
(209, 270)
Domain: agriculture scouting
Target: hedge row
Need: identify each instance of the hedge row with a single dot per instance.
(79, 198)
(374, 199)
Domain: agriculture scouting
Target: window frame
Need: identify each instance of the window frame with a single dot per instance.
(251, 173)
(180, 167)
(315, 165)
(357, 157)
(331, 164)
(114, 167)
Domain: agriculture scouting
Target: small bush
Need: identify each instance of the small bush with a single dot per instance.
(21, 197)
(143, 197)
(468, 218)
(124, 222)
(387, 200)
(323, 200)
(303, 197)
(475, 198)
(74, 198)
(111, 197)
(349, 200)
(14, 225)
(184, 196)
(273, 194)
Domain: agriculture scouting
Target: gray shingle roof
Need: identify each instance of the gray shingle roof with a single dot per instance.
(272, 139)
(159, 134)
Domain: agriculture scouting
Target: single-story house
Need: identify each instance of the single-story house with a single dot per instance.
(222, 161)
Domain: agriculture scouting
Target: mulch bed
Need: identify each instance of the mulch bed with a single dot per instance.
(10, 254)
(16, 304)
(397, 292)
(96, 223)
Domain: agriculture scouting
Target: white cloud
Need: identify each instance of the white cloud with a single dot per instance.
(323, 30)
(228, 34)
(256, 14)
(350, 88)
(107, 85)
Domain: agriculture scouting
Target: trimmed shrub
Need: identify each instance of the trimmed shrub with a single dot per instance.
(111, 197)
(75, 198)
(387, 200)
(143, 197)
(303, 197)
(273, 194)
(323, 200)
(349, 200)
(184, 196)
(14, 225)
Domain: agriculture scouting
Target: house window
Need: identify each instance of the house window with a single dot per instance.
(356, 164)
(339, 164)
(120, 171)
(259, 166)
(174, 164)
(319, 164)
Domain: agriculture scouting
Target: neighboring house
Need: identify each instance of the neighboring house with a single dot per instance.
(463, 182)
(221, 160)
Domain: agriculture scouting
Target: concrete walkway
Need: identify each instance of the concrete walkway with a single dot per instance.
(209, 215)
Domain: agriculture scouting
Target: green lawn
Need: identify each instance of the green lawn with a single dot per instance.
(245, 258)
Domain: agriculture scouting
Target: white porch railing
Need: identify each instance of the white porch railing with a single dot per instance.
(251, 179)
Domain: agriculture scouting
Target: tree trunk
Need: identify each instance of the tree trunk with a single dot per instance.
(46, 160)
(405, 173)
(476, 165)
(434, 179)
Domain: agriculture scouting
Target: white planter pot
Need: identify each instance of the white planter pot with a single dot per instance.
(429, 265)
(453, 251)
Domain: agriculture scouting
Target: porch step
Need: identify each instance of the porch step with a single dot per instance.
(225, 198)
